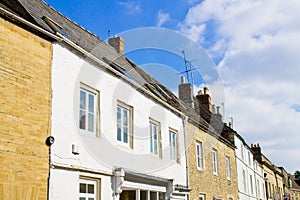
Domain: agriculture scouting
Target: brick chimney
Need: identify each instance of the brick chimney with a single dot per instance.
(255, 148)
(185, 93)
(205, 99)
(117, 43)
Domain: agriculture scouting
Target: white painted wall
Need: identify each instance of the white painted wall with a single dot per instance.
(245, 161)
(103, 153)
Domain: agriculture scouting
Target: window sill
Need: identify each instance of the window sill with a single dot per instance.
(87, 133)
(123, 145)
(200, 169)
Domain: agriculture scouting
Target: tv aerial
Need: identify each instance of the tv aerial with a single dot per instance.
(188, 68)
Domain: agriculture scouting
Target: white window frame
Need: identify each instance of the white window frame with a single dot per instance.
(155, 124)
(244, 181)
(257, 189)
(242, 152)
(215, 161)
(249, 159)
(228, 173)
(199, 155)
(87, 195)
(251, 184)
(121, 124)
(88, 91)
(173, 137)
(201, 196)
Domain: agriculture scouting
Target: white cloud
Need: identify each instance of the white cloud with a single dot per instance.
(162, 18)
(131, 7)
(257, 43)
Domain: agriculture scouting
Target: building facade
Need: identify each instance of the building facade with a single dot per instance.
(25, 90)
(211, 154)
(250, 173)
(273, 176)
(211, 166)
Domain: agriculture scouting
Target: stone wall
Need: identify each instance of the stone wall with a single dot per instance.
(25, 110)
(204, 181)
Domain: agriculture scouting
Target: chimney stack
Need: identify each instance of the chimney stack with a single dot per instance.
(256, 150)
(204, 99)
(185, 92)
(117, 43)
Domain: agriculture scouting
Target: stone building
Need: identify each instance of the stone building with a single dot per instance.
(274, 178)
(291, 186)
(118, 132)
(25, 111)
(211, 151)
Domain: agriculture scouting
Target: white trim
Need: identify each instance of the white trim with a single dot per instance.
(142, 186)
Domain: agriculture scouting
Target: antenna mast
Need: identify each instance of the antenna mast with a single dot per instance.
(188, 68)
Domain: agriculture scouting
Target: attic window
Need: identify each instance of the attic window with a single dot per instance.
(55, 26)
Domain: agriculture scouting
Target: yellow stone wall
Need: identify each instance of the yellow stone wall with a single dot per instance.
(274, 183)
(25, 106)
(204, 181)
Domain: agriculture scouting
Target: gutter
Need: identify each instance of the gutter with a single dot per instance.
(29, 24)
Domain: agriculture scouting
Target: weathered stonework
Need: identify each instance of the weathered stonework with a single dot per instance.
(25, 111)
(204, 181)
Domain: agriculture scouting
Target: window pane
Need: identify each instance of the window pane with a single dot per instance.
(125, 117)
(119, 115)
(82, 100)
(143, 195)
(82, 119)
(91, 103)
(91, 122)
(90, 189)
(82, 198)
(155, 146)
(82, 188)
(125, 135)
(91, 199)
(153, 195)
(119, 138)
(161, 196)
(151, 141)
(155, 132)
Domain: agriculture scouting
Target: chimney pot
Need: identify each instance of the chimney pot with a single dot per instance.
(182, 80)
(205, 90)
(229, 124)
(199, 92)
(218, 109)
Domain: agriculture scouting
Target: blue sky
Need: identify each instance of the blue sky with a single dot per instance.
(254, 44)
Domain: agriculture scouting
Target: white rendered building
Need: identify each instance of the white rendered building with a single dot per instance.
(250, 173)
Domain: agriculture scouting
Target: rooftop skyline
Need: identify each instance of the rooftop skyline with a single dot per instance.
(254, 45)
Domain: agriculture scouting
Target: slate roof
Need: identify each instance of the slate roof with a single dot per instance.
(35, 10)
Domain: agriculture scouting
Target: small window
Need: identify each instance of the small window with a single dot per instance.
(251, 185)
(249, 159)
(199, 154)
(228, 168)
(124, 124)
(155, 143)
(88, 189)
(242, 151)
(173, 146)
(215, 161)
(201, 196)
(258, 189)
(244, 181)
(88, 110)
